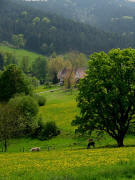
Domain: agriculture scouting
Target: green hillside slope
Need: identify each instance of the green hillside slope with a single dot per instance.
(45, 32)
(61, 107)
(66, 156)
(20, 53)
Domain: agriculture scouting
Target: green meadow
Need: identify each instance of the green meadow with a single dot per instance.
(97, 164)
(20, 53)
(65, 157)
(61, 107)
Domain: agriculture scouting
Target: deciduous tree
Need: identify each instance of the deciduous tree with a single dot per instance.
(10, 124)
(75, 60)
(17, 118)
(25, 64)
(39, 69)
(13, 81)
(28, 108)
(55, 65)
(107, 94)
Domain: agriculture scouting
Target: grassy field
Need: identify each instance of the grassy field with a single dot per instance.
(61, 107)
(108, 163)
(65, 157)
(20, 53)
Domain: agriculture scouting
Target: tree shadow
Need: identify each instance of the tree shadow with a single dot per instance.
(133, 145)
(103, 147)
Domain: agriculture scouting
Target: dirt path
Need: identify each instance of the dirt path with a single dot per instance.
(48, 91)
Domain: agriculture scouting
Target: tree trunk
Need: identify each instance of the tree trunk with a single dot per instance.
(68, 84)
(120, 141)
(5, 145)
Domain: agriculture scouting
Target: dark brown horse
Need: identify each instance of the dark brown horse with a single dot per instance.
(91, 143)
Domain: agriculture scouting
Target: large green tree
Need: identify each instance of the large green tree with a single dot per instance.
(55, 65)
(9, 58)
(28, 110)
(25, 64)
(17, 117)
(107, 94)
(13, 81)
(75, 61)
(39, 69)
(10, 124)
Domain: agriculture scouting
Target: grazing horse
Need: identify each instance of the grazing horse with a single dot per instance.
(35, 149)
(91, 143)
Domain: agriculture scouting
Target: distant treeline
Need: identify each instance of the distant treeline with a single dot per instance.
(45, 33)
(109, 15)
(45, 70)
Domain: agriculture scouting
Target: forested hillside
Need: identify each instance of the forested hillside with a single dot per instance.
(109, 15)
(43, 32)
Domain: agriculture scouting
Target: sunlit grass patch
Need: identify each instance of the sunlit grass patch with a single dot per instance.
(62, 108)
(20, 53)
(65, 157)
(63, 160)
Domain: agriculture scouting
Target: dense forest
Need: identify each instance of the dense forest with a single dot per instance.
(109, 15)
(44, 32)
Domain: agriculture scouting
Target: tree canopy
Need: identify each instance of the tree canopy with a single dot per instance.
(39, 69)
(17, 117)
(28, 110)
(10, 123)
(107, 94)
(13, 81)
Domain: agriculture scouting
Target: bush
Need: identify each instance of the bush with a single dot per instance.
(48, 85)
(46, 131)
(50, 130)
(41, 100)
(28, 110)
